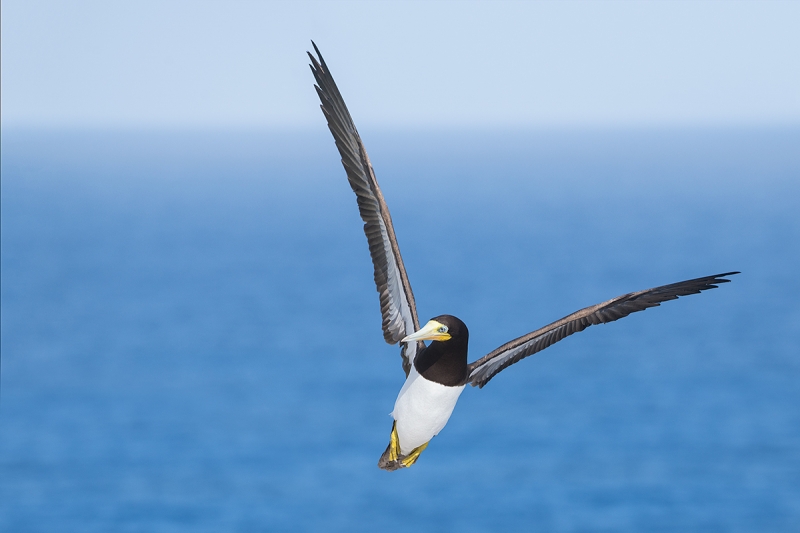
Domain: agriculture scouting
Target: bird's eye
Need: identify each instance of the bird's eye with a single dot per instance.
(442, 329)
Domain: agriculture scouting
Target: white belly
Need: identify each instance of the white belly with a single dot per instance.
(422, 409)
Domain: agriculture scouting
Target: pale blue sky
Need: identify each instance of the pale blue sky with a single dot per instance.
(401, 64)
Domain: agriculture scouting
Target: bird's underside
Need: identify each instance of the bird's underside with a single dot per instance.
(398, 307)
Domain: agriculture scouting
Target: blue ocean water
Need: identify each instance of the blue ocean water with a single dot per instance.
(191, 336)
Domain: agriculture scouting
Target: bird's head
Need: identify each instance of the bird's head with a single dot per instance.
(443, 328)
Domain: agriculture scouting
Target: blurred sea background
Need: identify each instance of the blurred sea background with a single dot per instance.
(191, 334)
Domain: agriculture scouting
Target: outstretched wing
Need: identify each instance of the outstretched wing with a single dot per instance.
(397, 301)
(484, 369)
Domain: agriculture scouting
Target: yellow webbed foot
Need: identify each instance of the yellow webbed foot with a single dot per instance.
(392, 459)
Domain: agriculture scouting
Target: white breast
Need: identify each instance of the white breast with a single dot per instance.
(422, 409)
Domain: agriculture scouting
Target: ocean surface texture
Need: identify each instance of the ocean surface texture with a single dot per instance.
(191, 335)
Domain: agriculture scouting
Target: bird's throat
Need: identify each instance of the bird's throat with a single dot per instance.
(444, 362)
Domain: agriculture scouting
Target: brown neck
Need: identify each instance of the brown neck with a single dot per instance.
(444, 362)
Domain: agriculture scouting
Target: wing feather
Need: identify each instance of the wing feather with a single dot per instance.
(485, 368)
(398, 308)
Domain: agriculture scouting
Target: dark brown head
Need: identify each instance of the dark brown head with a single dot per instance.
(445, 360)
(443, 328)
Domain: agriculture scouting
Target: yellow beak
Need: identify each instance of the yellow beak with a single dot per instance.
(432, 331)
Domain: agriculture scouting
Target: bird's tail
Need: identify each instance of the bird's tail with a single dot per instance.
(392, 459)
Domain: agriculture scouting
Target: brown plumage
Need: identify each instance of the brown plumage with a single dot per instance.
(398, 308)
(485, 368)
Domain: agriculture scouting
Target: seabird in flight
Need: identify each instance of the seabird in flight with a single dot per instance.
(436, 374)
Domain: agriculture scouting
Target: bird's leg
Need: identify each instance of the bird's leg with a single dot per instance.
(412, 457)
(394, 444)
(393, 459)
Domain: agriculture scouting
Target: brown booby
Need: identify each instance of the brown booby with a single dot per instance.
(437, 374)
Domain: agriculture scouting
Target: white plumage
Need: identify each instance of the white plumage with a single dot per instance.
(422, 409)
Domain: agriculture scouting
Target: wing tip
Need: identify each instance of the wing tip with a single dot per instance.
(319, 60)
(718, 279)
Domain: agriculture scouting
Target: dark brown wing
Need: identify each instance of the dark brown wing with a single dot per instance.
(397, 301)
(485, 368)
